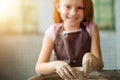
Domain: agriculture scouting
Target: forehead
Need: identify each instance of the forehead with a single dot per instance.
(72, 2)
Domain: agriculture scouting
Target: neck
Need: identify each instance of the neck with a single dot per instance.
(71, 27)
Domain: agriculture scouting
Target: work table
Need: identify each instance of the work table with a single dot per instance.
(95, 75)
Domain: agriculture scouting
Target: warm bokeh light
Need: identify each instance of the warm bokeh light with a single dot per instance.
(18, 16)
(9, 8)
(8, 11)
(4, 8)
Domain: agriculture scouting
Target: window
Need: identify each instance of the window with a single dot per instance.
(104, 14)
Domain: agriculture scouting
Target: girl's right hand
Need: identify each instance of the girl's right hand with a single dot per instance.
(64, 70)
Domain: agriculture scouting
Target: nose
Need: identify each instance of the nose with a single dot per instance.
(73, 12)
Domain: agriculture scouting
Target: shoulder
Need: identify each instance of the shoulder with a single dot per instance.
(52, 30)
(90, 28)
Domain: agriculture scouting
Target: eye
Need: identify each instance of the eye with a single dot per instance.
(80, 8)
(67, 7)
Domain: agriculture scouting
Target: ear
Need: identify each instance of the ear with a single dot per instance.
(58, 7)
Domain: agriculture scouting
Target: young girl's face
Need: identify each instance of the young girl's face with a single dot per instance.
(71, 11)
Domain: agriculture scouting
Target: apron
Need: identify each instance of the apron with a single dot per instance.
(71, 47)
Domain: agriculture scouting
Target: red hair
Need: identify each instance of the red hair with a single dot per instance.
(88, 11)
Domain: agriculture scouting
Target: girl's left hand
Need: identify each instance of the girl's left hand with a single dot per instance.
(89, 63)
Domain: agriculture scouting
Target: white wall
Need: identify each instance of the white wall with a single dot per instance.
(108, 47)
(45, 14)
(117, 10)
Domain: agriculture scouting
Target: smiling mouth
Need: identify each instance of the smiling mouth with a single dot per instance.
(72, 18)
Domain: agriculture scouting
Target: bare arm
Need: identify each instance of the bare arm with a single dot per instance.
(96, 50)
(93, 59)
(43, 65)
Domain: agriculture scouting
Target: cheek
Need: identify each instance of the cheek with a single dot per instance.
(82, 14)
(63, 13)
(62, 16)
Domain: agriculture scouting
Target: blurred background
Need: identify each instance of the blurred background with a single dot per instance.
(24, 22)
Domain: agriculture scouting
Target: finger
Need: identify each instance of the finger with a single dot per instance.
(60, 75)
(91, 64)
(86, 68)
(63, 74)
(72, 72)
(67, 73)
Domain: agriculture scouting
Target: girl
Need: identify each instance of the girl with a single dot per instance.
(74, 38)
